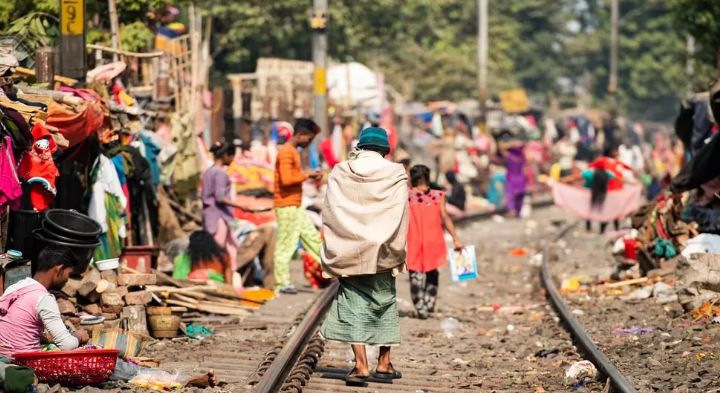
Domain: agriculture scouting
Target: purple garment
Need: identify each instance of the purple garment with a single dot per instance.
(515, 178)
(215, 186)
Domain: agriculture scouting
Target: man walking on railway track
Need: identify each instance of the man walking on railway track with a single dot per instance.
(365, 223)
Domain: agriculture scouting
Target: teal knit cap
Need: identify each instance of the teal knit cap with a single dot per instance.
(374, 136)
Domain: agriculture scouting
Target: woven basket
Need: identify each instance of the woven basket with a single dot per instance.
(82, 367)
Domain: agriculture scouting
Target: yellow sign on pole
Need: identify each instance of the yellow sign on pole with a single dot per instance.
(320, 79)
(72, 17)
(514, 101)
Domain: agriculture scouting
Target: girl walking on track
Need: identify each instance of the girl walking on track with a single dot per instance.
(426, 241)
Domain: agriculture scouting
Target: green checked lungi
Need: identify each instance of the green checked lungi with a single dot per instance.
(364, 311)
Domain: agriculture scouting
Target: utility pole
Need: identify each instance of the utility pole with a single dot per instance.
(114, 27)
(614, 17)
(318, 24)
(482, 58)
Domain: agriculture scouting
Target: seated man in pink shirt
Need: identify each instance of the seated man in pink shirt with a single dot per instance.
(27, 309)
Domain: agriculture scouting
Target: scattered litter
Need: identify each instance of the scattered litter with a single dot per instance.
(198, 331)
(702, 244)
(518, 252)
(547, 353)
(578, 312)
(159, 380)
(640, 293)
(716, 320)
(706, 311)
(531, 224)
(498, 218)
(460, 361)
(580, 373)
(570, 284)
(633, 331)
(509, 328)
(536, 260)
(664, 293)
(450, 326)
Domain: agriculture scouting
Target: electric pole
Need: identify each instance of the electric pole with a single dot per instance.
(318, 23)
(614, 16)
(482, 58)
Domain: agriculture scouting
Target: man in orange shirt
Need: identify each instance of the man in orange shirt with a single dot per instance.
(293, 224)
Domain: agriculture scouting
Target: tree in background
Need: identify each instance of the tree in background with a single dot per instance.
(700, 19)
(17, 17)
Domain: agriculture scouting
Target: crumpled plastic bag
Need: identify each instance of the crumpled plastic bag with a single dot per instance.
(159, 380)
(580, 372)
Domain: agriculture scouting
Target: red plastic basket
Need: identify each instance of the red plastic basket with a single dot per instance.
(81, 367)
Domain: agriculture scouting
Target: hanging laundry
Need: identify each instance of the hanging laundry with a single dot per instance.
(10, 190)
(38, 169)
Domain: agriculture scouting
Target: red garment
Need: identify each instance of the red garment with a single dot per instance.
(38, 169)
(313, 272)
(327, 152)
(616, 167)
(426, 248)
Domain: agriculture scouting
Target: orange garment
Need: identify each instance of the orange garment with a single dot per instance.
(426, 250)
(289, 177)
(76, 124)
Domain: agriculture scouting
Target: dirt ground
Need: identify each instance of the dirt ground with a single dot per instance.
(505, 338)
(675, 354)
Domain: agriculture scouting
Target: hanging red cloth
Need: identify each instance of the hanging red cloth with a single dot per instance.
(38, 169)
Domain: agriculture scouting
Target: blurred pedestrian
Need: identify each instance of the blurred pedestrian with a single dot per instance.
(217, 204)
(457, 198)
(293, 224)
(426, 240)
(365, 219)
(515, 182)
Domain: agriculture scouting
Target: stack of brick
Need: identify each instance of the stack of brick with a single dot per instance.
(115, 296)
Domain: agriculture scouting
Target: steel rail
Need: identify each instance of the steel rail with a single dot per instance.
(576, 330)
(275, 375)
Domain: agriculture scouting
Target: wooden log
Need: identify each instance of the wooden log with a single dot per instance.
(71, 287)
(111, 299)
(122, 291)
(210, 308)
(105, 286)
(66, 306)
(110, 317)
(89, 282)
(136, 319)
(112, 309)
(134, 280)
(109, 276)
(620, 284)
(93, 309)
(138, 298)
(167, 280)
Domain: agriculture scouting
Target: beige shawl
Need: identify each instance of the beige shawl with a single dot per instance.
(365, 216)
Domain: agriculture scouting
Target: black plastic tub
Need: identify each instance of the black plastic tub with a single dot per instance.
(83, 252)
(71, 224)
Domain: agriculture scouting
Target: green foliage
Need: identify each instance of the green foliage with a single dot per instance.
(38, 29)
(700, 19)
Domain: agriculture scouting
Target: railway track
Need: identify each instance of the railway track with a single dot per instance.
(297, 366)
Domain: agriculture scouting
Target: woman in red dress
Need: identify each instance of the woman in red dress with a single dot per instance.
(426, 250)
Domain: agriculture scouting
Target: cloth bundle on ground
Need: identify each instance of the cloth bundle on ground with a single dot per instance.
(365, 218)
(618, 203)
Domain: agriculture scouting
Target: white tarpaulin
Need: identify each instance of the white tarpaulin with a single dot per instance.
(355, 84)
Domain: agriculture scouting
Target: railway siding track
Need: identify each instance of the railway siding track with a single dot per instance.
(297, 367)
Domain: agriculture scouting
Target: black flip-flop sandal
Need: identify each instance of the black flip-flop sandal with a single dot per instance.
(356, 380)
(395, 374)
